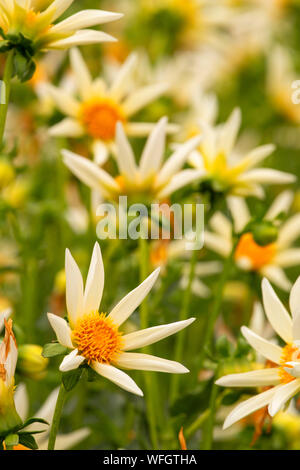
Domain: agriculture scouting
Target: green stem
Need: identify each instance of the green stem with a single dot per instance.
(209, 425)
(56, 417)
(8, 71)
(179, 345)
(149, 383)
(211, 319)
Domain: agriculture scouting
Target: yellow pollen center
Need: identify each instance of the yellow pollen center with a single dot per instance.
(257, 255)
(97, 338)
(289, 353)
(100, 118)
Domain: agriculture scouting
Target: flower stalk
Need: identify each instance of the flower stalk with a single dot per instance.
(57, 416)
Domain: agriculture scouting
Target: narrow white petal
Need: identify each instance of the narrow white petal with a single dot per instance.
(140, 361)
(139, 339)
(289, 231)
(68, 127)
(64, 101)
(74, 288)
(71, 439)
(123, 78)
(140, 98)
(176, 161)
(58, 7)
(118, 377)
(281, 204)
(4, 316)
(100, 152)
(21, 401)
(221, 225)
(88, 172)
(255, 156)
(153, 151)
(239, 211)
(268, 350)
(295, 298)
(131, 301)
(277, 276)
(282, 395)
(229, 131)
(95, 282)
(81, 71)
(84, 19)
(250, 406)
(277, 314)
(181, 179)
(61, 329)
(124, 155)
(254, 378)
(71, 361)
(268, 176)
(217, 243)
(293, 368)
(257, 321)
(287, 258)
(81, 38)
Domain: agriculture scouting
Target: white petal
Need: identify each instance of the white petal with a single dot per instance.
(4, 316)
(181, 179)
(81, 71)
(295, 298)
(82, 37)
(268, 350)
(239, 211)
(176, 161)
(64, 101)
(94, 283)
(100, 152)
(74, 288)
(221, 225)
(229, 131)
(118, 377)
(140, 98)
(140, 361)
(62, 330)
(268, 176)
(258, 154)
(288, 258)
(276, 312)
(124, 155)
(89, 173)
(142, 129)
(131, 301)
(281, 204)
(84, 19)
(277, 276)
(257, 321)
(71, 361)
(254, 378)
(250, 406)
(139, 339)
(294, 368)
(289, 231)
(59, 7)
(282, 395)
(68, 127)
(71, 439)
(123, 78)
(153, 151)
(216, 243)
(21, 401)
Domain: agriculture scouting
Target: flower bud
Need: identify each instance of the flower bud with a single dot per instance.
(7, 173)
(31, 363)
(264, 233)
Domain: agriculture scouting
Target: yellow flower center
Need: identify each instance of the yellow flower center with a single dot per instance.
(97, 338)
(100, 118)
(289, 353)
(251, 256)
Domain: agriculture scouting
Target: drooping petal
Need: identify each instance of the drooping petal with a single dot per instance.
(139, 339)
(70, 439)
(131, 301)
(61, 329)
(239, 211)
(139, 361)
(276, 312)
(71, 361)
(268, 350)
(254, 378)
(221, 225)
(282, 395)
(277, 276)
(118, 377)
(74, 288)
(216, 243)
(94, 283)
(250, 406)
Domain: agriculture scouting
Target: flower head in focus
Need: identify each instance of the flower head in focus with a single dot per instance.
(29, 26)
(225, 171)
(148, 181)
(98, 107)
(283, 376)
(95, 338)
(264, 246)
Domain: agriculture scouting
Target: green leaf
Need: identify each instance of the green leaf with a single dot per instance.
(27, 440)
(12, 440)
(53, 349)
(71, 378)
(24, 67)
(33, 420)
